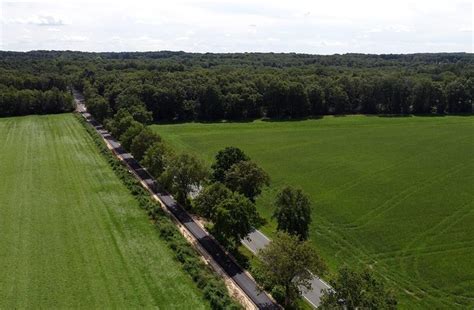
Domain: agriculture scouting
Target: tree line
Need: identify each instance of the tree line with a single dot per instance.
(178, 86)
(241, 94)
(15, 102)
(23, 91)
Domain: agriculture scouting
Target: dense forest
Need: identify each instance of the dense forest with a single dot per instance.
(23, 92)
(178, 86)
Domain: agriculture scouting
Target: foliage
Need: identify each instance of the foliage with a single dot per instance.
(133, 130)
(142, 142)
(293, 212)
(206, 203)
(155, 159)
(139, 113)
(234, 218)
(247, 178)
(224, 160)
(355, 289)
(184, 86)
(185, 173)
(121, 121)
(286, 262)
(98, 107)
(15, 102)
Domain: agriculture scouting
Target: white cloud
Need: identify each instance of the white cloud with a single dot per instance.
(74, 38)
(48, 21)
(311, 26)
(37, 20)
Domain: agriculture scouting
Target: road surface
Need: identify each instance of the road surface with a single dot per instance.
(256, 241)
(230, 267)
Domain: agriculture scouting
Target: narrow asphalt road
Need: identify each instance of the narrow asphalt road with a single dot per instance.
(256, 241)
(231, 268)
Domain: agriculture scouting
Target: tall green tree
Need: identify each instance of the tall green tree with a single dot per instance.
(293, 212)
(459, 97)
(224, 160)
(316, 99)
(121, 121)
(132, 131)
(206, 203)
(287, 263)
(99, 108)
(155, 159)
(234, 218)
(336, 99)
(297, 101)
(142, 141)
(141, 114)
(247, 178)
(353, 289)
(212, 107)
(184, 174)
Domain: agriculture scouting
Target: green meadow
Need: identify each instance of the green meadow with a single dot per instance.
(393, 193)
(71, 234)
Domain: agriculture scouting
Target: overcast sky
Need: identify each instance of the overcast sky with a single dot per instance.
(317, 27)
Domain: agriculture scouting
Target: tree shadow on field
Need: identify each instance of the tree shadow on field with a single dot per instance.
(393, 115)
(291, 119)
(224, 121)
(434, 115)
(446, 114)
(299, 119)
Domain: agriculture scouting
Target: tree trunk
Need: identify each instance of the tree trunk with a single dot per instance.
(287, 296)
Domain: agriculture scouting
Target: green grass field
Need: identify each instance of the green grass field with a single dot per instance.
(71, 234)
(394, 193)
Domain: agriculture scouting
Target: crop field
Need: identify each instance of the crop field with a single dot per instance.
(396, 194)
(71, 234)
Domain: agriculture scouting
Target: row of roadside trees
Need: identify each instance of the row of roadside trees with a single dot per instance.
(225, 197)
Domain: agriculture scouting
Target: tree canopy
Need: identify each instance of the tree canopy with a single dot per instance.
(286, 263)
(293, 212)
(357, 289)
(224, 160)
(185, 173)
(155, 159)
(205, 204)
(247, 178)
(142, 141)
(234, 218)
(181, 86)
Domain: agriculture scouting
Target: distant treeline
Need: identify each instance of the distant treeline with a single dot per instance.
(15, 102)
(178, 86)
(245, 86)
(23, 93)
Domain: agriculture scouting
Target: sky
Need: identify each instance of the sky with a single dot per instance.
(301, 26)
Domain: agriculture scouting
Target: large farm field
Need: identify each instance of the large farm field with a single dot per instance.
(395, 193)
(71, 234)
